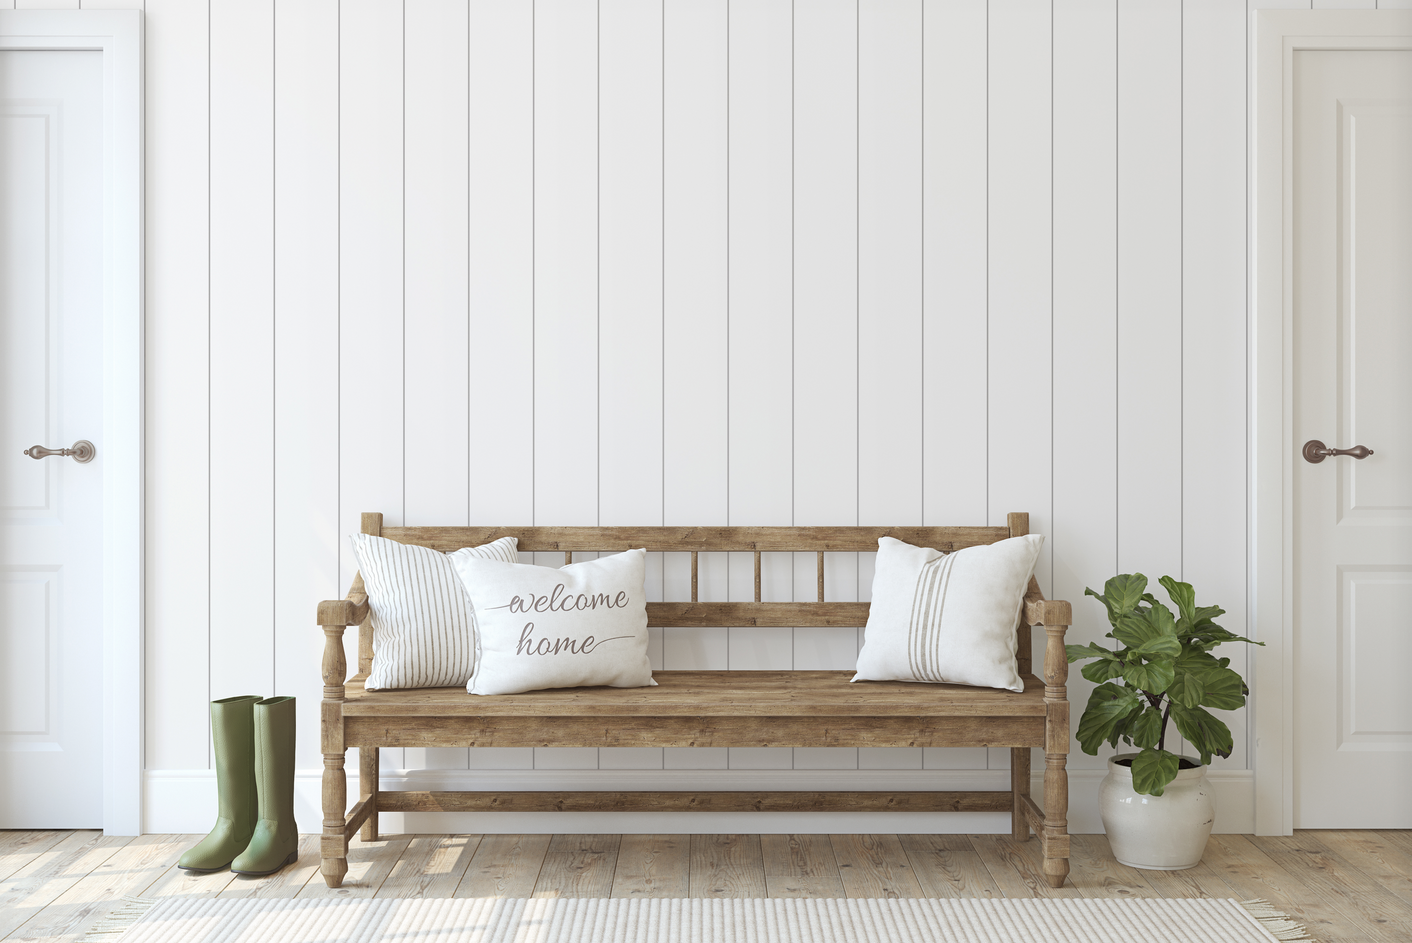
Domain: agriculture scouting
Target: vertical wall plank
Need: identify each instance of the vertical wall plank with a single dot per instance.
(890, 206)
(305, 348)
(761, 260)
(566, 340)
(694, 318)
(501, 262)
(436, 149)
(242, 345)
(630, 262)
(1149, 287)
(1214, 319)
(954, 257)
(890, 430)
(1020, 272)
(371, 213)
(695, 262)
(826, 322)
(826, 263)
(178, 443)
(1085, 317)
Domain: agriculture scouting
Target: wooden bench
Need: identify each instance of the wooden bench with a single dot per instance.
(702, 708)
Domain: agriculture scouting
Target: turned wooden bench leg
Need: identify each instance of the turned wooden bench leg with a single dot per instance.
(1020, 790)
(1056, 819)
(368, 767)
(333, 847)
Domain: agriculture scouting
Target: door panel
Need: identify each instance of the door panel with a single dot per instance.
(1375, 235)
(51, 513)
(1353, 518)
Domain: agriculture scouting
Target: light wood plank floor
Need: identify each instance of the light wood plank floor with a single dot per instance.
(1344, 885)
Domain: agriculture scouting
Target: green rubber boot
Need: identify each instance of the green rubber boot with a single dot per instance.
(276, 839)
(233, 739)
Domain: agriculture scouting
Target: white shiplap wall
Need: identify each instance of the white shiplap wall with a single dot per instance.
(681, 261)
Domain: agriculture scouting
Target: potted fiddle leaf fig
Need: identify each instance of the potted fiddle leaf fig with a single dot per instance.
(1157, 806)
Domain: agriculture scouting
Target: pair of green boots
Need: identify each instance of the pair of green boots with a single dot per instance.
(255, 831)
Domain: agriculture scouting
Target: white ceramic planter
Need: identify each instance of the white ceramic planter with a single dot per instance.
(1157, 833)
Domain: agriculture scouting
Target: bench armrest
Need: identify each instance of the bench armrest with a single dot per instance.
(349, 611)
(1047, 612)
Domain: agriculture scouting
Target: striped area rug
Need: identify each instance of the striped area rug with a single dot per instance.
(491, 920)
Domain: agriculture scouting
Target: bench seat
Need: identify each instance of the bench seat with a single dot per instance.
(704, 709)
(713, 694)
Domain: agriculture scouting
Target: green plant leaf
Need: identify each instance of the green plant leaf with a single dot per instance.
(1152, 677)
(1091, 650)
(1108, 707)
(1203, 731)
(1223, 690)
(1145, 729)
(1101, 671)
(1183, 596)
(1120, 595)
(1209, 636)
(1193, 658)
(1135, 628)
(1153, 770)
(1186, 688)
(1125, 590)
(1168, 645)
(1204, 614)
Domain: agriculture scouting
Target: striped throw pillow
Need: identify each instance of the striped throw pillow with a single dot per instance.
(423, 625)
(947, 617)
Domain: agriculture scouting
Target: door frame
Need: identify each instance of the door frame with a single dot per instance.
(118, 35)
(1275, 37)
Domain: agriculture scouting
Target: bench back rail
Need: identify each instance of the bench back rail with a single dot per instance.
(697, 540)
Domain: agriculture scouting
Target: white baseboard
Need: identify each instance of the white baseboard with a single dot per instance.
(184, 801)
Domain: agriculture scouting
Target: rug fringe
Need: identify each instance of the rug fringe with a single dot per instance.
(117, 921)
(1277, 922)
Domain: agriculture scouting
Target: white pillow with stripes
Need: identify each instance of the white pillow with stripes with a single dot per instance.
(947, 617)
(423, 624)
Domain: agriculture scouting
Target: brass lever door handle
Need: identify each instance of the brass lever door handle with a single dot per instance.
(1315, 451)
(82, 451)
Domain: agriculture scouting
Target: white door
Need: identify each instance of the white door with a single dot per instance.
(51, 513)
(1353, 386)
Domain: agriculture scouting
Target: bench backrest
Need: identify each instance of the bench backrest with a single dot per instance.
(695, 540)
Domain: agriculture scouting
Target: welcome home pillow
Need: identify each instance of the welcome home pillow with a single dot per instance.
(947, 617)
(423, 626)
(536, 627)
